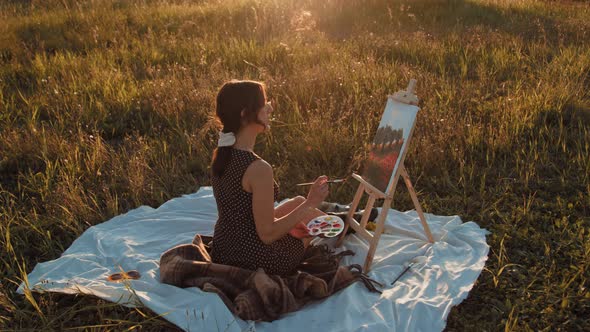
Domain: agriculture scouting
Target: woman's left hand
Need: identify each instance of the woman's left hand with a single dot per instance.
(300, 231)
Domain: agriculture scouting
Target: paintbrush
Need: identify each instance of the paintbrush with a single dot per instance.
(329, 181)
(403, 272)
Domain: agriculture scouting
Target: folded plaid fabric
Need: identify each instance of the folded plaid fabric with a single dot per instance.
(255, 295)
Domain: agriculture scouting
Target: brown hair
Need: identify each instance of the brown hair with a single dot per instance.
(233, 98)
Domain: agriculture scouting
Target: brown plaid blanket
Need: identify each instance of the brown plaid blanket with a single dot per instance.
(255, 295)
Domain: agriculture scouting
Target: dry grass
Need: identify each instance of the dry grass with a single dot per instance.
(105, 106)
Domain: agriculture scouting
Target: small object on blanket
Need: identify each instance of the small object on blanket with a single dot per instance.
(403, 272)
(358, 216)
(416, 260)
(120, 276)
(326, 226)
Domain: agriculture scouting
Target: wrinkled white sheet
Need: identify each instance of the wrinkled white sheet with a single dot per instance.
(420, 301)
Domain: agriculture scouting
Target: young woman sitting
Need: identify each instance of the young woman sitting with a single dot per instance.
(250, 232)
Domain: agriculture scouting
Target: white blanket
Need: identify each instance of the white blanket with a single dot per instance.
(420, 301)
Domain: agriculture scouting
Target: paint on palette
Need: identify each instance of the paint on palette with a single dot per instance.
(326, 226)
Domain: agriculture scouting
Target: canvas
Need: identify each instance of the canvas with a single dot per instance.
(390, 143)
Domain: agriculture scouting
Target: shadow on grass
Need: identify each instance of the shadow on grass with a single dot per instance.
(536, 227)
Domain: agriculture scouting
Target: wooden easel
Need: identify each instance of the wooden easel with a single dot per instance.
(406, 97)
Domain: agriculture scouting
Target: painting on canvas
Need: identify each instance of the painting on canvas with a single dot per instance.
(389, 144)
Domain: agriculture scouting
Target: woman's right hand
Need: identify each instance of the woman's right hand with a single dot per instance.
(318, 192)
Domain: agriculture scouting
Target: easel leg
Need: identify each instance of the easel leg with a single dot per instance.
(353, 206)
(367, 212)
(408, 183)
(377, 235)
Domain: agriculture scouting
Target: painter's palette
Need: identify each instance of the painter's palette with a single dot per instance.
(326, 226)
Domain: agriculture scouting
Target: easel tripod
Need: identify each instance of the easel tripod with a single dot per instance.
(406, 98)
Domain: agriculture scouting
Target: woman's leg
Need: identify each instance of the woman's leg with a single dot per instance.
(286, 207)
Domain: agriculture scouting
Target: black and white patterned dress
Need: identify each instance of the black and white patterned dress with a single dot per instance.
(235, 241)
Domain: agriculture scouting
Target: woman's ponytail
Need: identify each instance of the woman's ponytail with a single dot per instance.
(221, 158)
(236, 100)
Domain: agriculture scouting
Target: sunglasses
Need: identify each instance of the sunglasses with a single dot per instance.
(120, 276)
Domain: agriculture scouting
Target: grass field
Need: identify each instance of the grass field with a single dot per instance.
(106, 105)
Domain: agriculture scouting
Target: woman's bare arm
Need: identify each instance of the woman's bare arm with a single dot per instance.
(258, 180)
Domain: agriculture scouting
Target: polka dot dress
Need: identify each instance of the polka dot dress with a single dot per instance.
(235, 241)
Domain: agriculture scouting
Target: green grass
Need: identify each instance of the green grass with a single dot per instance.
(106, 105)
